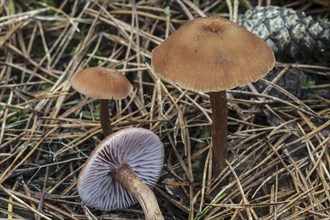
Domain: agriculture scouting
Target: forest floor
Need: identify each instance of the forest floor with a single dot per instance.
(279, 141)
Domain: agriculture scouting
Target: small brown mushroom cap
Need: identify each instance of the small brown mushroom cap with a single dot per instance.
(212, 54)
(101, 83)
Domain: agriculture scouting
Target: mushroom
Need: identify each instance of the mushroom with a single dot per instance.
(104, 84)
(211, 55)
(121, 170)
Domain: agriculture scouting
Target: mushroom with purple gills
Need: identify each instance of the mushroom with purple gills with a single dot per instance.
(210, 55)
(121, 170)
(103, 84)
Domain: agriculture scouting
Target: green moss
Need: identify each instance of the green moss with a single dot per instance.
(121, 66)
(94, 62)
(46, 86)
(92, 115)
(306, 84)
(167, 11)
(49, 2)
(38, 49)
(222, 8)
(43, 4)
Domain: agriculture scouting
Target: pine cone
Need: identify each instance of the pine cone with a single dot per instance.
(294, 37)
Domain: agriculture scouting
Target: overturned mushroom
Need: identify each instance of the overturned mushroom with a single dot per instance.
(104, 84)
(121, 170)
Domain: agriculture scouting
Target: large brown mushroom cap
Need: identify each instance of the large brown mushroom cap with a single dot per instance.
(212, 54)
(101, 83)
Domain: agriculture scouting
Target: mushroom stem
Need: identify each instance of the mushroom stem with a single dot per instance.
(130, 181)
(104, 117)
(219, 130)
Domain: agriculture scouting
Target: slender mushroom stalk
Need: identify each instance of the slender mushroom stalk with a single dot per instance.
(211, 55)
(104, 84)
(133, 184)
(219, 129)
(121, 170)
(104, 117)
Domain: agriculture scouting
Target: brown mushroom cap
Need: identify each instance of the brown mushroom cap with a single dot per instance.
(101, 83)
(212, 54)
